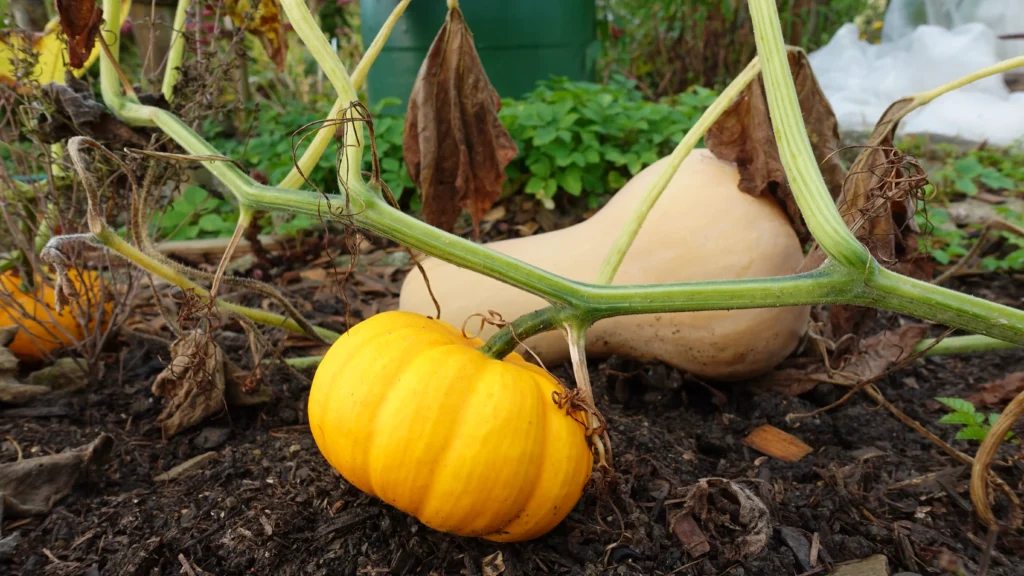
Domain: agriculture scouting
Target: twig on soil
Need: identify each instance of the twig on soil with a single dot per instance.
(17, 448)
(185, 565)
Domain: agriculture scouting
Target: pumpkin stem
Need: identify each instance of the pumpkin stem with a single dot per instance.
(576, 333)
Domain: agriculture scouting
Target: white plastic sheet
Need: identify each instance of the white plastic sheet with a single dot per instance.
(861, 80)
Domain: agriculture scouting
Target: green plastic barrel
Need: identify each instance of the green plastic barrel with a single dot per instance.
(519, 41)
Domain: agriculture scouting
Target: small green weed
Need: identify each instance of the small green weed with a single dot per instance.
(196, 214)
(975, 425)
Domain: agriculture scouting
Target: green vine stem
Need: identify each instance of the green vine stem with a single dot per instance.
(627, 235)
(962, 345)
(323, 136)
(851, 276)
(176, 52)
(315, 40)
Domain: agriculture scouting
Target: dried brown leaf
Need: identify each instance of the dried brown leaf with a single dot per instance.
(743, 134)
(80, 21)
(877, 203)
(872, 358)
(265, 23)
(736, 520)
(193, 381)
(454, 146)
(999, 392)
(34, 485)
(76, 113)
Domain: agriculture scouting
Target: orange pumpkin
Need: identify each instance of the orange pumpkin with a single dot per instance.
(40, 329)
(407, 409)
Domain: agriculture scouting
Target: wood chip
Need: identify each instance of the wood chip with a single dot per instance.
(770, 440)
(188, 467)
(877, 565)
(690, 535)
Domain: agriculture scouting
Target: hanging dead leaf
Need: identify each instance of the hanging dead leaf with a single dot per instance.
(877, 203)
(193, 381)
(80, 21)
(999, 392)
(34, 485)
(265, 23)
(454, 145)
(743, 134)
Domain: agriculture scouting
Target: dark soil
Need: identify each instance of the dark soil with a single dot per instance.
(270, 504)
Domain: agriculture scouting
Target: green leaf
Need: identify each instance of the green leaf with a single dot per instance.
(968, 167)
(972, 433)
(958, 404)
(996, 180)
(961, 418)
(212, 223)
(194, 195)
(966, 186)
(390, 164)
(615, 180)
(591, 156)
(571, 180)
(545, 135)
(539, 165)
(550, 187)
(535, 185)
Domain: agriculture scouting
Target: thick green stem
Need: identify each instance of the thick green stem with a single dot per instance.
(308, 30)
(809, 189)
(627, 235)
(514, 333)
(325, 133)
(176, 52)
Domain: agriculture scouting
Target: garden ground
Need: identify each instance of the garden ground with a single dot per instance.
(265, 502)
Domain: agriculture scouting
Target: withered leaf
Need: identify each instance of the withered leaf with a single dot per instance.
(999, 392)
(454, 145)
(878, 203)
(872, 358)
(80, 21)
(34, 485)
(193, 381)
(76, 113)
(265, 23)
(736, 519)
(743, 134)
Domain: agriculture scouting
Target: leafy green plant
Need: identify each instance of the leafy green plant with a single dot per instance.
(975, 424)
(966, 173)
(580, 138)
(196, 214)
(588, 139)
(946, 242)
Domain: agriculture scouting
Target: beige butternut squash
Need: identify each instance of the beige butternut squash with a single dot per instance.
(702, 228)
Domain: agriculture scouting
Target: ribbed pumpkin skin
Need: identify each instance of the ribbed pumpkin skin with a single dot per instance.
(41, 329)
(407, 410)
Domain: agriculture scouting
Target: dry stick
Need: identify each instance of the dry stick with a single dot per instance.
(877, 396)
(982, 461)
(992, 225)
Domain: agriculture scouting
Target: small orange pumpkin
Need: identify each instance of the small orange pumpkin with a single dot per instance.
(40, 329)
(407, 409)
